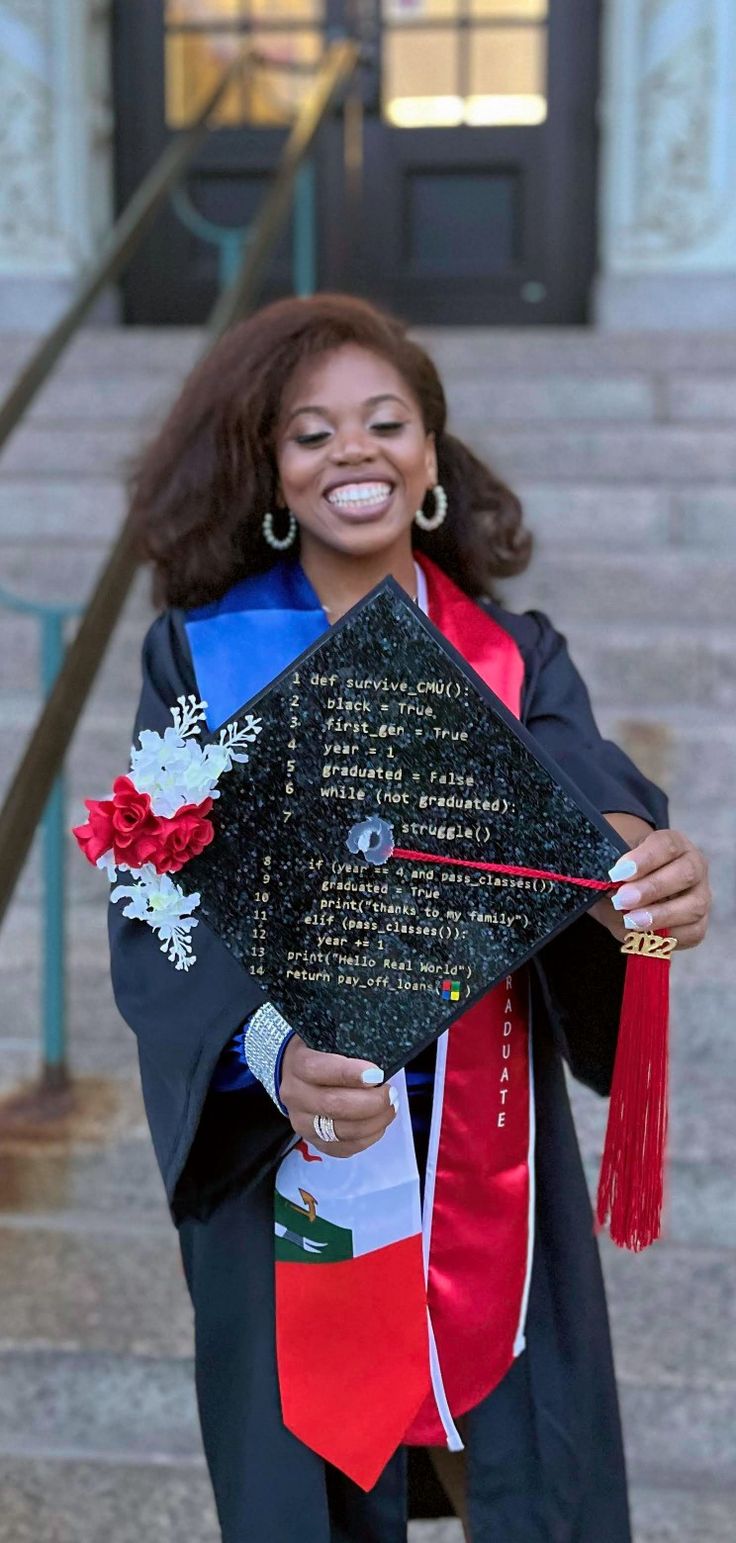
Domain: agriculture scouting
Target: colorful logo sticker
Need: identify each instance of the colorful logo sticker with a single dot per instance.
(451, 990)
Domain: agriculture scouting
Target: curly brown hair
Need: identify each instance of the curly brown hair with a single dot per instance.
(202, 487)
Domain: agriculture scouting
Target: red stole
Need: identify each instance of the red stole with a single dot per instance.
(479, 1242)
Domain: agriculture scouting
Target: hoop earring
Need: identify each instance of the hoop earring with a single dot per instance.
(279, 543)
(433, 521)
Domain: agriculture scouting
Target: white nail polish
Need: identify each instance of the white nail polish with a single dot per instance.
(639, 920)
(625, 868)
(393, 1097)
(372, 1076)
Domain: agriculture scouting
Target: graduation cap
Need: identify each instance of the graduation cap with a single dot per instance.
(380, 861)
(397, 844)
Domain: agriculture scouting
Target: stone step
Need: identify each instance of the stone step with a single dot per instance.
(86, 1291)
(702, 976)
(94, 451)
(99, 1044)
(717, 839)
(141, 398)
(700, 398)
(174, 349)
(660, 666)
(700, 1209)
(81, 1405)
(65, 510)
(678, 1434)
(111, 351)
(66, 1501)
(702, 1092)
(128, 396)
(525, 398)
(567, 514)
(650, 396)
(691, 1291)
(554, 398)
(667, 454)
(701, 1126)
(576, 398)
(113, 1188)
(691, 753)
(669, 751)
(702, 1081)
(574, 586)
(550, 350)
(110, 1278)
(120, 1408)
(62, 571)
(657, 668)
(658, 453)
(629, 517)
(674, 1514)
(608, 587)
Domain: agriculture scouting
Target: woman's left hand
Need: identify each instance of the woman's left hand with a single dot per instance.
(669, 891)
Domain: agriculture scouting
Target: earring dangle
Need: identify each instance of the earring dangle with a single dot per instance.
(433, 521)
(279, 543)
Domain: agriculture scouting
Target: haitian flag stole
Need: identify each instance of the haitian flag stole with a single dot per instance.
(393, 1316)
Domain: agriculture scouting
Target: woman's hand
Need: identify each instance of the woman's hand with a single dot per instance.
(313, 1082)
(668, 890)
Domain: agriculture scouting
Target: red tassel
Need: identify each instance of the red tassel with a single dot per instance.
(631, 1185)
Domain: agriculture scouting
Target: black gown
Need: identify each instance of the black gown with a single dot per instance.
(544, 1454)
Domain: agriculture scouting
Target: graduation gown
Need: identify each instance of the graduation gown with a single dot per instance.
(544, 1452)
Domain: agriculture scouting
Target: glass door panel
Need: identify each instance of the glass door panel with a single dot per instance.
(482, 63)
(203, 36)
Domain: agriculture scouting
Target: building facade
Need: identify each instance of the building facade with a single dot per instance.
(523, 162)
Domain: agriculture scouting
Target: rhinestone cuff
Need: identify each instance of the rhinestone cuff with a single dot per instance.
(265, 1040)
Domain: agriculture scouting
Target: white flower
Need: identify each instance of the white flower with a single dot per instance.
(154, 898)
(188, 715)
(148, 760)
(174, 769)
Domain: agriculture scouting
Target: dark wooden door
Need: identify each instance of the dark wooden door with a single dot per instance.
(477, 192)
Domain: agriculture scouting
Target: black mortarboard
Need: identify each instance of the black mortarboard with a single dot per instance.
(380, 736)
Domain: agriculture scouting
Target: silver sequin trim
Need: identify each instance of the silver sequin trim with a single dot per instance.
(264, 1038)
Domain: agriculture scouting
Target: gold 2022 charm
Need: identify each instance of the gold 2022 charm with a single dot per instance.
(650, 944)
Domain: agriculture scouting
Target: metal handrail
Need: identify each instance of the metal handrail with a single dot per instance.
(121, 244)
(341, 61)
(33, 780)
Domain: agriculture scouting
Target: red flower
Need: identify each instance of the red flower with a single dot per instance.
(126, 825)
(96, 836)
(123, 824)
(135, 826)
(182, 837)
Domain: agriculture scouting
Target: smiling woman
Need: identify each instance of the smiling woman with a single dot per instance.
(321, 419)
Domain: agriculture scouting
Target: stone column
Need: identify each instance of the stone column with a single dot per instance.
(668, 165)
(55, 153)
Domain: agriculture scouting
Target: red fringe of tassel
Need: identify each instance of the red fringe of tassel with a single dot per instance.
(631, 1185)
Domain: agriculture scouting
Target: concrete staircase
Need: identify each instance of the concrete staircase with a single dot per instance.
(624, 450)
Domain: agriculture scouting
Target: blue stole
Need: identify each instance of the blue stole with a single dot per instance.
(238, 644)
(241, 642)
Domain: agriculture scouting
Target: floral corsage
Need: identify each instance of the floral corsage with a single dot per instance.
(158, 819)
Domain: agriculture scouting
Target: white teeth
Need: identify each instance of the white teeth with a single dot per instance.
(359, 495)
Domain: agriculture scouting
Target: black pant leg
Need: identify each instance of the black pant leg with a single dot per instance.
(380, 1516)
